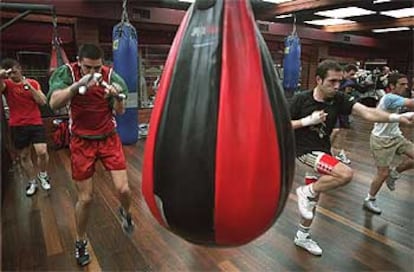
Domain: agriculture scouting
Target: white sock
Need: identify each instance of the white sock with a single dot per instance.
(33, 181)
(370, 197)
(303, 232)
(43, 174)
(394, 173)
(303, 228)
(308, 190)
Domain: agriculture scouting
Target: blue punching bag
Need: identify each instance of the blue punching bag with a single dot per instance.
(125, 53)
(291, 63)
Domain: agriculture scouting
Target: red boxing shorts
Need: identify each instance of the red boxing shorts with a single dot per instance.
(85, 152)
(321, 162)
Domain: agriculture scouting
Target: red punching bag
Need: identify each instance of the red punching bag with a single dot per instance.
(219, 157)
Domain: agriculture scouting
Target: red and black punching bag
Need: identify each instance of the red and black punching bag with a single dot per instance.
(219, 157)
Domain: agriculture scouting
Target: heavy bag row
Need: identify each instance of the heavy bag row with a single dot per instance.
(219, 158)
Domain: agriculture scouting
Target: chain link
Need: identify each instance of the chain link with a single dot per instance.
(56, 40)
(125, 12)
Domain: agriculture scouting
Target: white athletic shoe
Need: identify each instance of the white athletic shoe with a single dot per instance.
(305, 204)
(44, 182)
(370, 205)
(305, 241)
(31, 188)
(390, 181)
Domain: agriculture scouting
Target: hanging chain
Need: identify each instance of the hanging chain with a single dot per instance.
(125, 12)
(55, 27)
(294, 24)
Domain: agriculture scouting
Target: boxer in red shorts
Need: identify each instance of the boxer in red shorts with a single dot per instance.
(314, 114)
(93, 133)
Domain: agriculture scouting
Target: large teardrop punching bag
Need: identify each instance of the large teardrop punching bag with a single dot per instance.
(219, 157)
(291, 63)
(125, 54)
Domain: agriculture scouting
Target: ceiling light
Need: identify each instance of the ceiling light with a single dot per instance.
(283, 16)
(399, 13)
(391, 29)
(344, 12)
(276, 1)
(188, 1)
(380, 1)
(326, 22)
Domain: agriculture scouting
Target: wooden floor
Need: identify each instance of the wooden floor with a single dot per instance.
(38, 232)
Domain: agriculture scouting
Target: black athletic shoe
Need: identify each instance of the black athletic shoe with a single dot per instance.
(81, 253)
(127, 223)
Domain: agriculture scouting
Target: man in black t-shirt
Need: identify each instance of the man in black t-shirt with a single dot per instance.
(314, 114)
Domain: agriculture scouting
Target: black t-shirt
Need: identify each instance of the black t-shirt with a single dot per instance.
(316, 137)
